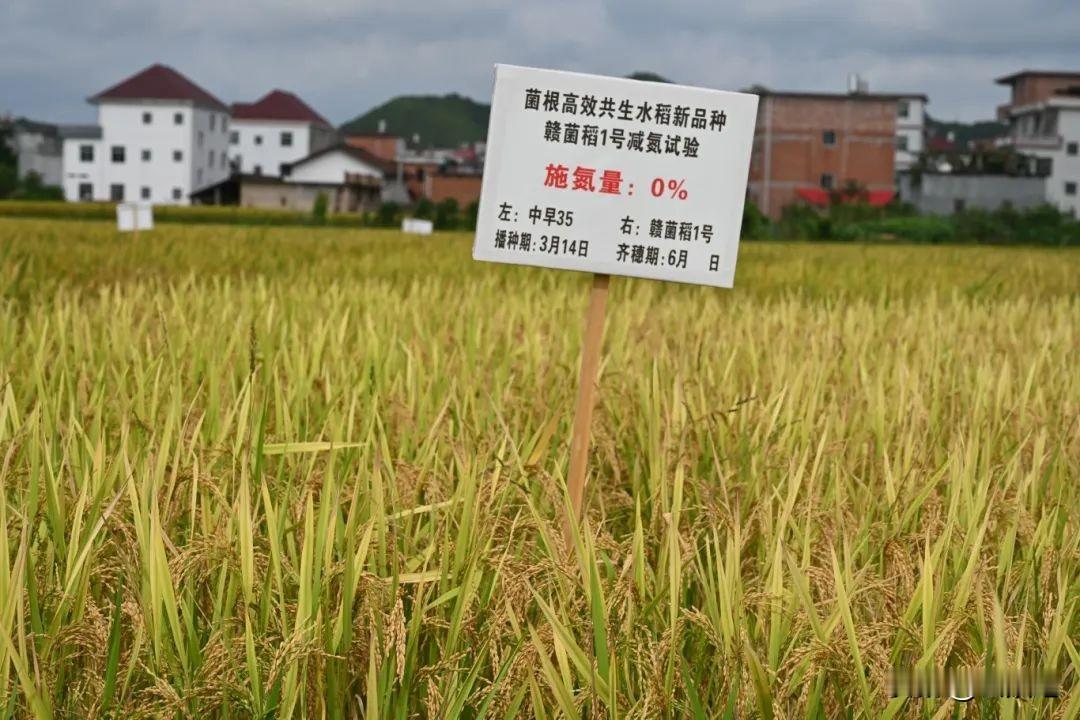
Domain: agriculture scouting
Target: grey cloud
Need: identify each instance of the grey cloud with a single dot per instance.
(345, 56)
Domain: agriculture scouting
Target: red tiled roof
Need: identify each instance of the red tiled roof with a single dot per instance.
(278, 105)
(159, 82)
(386, 166)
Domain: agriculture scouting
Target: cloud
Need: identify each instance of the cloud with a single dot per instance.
(344, 56)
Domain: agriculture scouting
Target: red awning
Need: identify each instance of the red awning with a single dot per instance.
(880, 198)
(822, 198)
(814, 196)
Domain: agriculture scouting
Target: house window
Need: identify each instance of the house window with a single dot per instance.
(1070, 188)
(1072, 148)
(826, 181)
(224, 161)
(177, 193)
(257, 170)
(258, 139)
(234, 137)
(210, 159)
(178, 155)
(147, 118)
(1044, 167)
(116, 192)
(286, 139)
(200, 138)
(213, 120)
(901, 142)
(86, 191)
(178, 118)
(224, 123)
(86, 153)
(146, 155)
(829, 137)
(118, 153)
(144, 192)
(198, 176)
(903, 109)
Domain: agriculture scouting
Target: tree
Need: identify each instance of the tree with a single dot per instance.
(471, 213)
(389, 214)
(32, 187)
(425, 209)
(7, 151)
(9, 176)
(9, 181)
(447, 215)
(318, 211)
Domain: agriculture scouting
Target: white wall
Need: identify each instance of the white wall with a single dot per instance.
(911, 128)
(209, 148)
(77, 172)
(1066, 168)
(200, 137)
(331, 169)
(940, 194)
(259, 147)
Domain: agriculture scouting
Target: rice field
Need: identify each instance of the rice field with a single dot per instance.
(319, 473)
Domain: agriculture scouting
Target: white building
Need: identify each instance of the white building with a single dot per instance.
(1044, 122)
(159, 138)
(274, 131)
(37, 147)
(350, 178)
(910, 130)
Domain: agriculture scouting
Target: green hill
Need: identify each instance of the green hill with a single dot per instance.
(446, 121)
(443, 122)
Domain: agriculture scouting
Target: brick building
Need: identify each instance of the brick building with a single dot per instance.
(381, 145)
(807, 145)
(464, 188)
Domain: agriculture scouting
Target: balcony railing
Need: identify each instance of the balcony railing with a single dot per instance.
(1031, 142)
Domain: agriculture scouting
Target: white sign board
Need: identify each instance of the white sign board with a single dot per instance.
(614, 176)
(417, 227)
(134, 216)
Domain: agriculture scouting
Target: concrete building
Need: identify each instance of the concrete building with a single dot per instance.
(1043, 114)
(910, 130)
(352, 179)
(38, 149)
(274, 131)
(159, 138)
(809, 145)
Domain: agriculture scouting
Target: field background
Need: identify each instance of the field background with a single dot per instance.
(299, 472)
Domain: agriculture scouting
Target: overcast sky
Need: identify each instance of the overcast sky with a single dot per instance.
(345, 56)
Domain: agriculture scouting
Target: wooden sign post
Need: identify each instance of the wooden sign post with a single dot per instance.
(613, 177)
(586, 396)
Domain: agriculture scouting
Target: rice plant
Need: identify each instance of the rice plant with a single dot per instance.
(285, 472)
